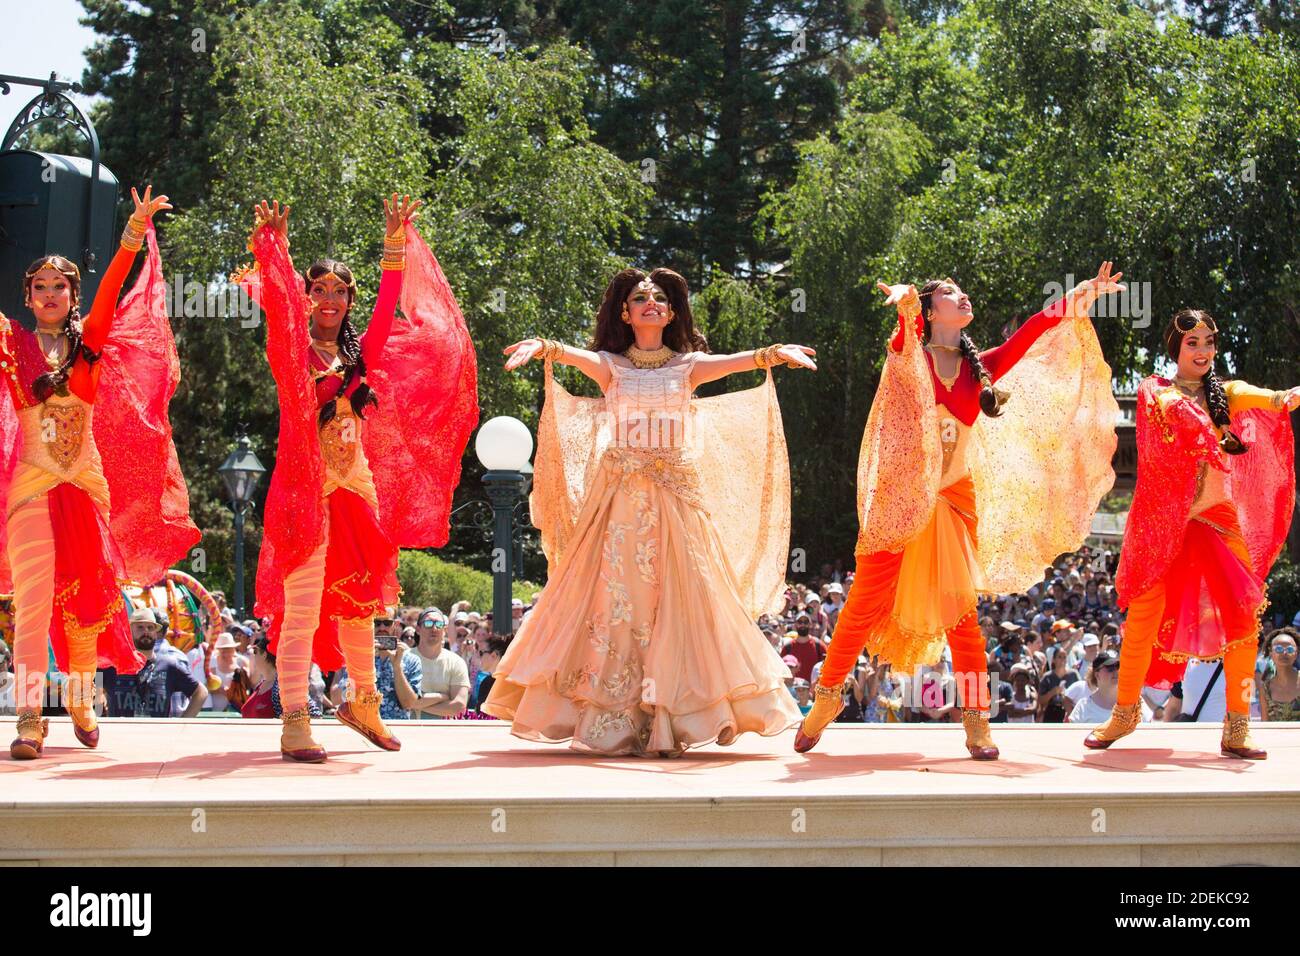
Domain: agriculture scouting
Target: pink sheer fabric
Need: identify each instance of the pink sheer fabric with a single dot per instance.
(426, 380)
(133, 431)
(1173, 442)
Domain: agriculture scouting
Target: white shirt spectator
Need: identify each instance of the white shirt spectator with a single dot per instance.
(1087, 711)
(440, 675)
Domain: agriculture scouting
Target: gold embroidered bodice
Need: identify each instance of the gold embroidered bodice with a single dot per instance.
(344, 455)
(57, 445)
(1214, 486)
(954, 438)
(651, 420)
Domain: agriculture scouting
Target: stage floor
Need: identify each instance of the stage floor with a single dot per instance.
(211, 791)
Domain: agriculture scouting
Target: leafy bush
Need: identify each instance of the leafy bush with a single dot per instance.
(427, 580)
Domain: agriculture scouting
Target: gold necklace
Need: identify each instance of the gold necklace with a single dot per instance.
(943, 348)
(649, 358)
(54, 356)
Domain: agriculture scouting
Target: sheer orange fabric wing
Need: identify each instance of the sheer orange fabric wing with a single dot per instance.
(900, 459)
(1042, 467)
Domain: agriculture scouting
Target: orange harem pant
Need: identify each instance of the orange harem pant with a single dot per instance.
(870, 604)
(1146, 613)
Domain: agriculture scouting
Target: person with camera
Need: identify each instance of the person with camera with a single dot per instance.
(397, 675)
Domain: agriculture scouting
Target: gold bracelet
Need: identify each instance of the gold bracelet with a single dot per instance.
(551, 349)
(1279, 400)
(767, 357)
(133, 234)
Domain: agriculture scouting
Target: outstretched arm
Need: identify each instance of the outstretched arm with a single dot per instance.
(1074, 304)
(1242, 396)
(587, 362)
(97, 325)
(709, 368)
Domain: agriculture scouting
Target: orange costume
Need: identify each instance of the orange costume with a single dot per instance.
(1204, 530)
(954, 504)
(95, 492)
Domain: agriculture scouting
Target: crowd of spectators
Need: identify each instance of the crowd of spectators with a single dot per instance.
(1053, 657)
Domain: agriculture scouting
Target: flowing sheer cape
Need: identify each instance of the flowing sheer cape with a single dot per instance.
(1174, 440)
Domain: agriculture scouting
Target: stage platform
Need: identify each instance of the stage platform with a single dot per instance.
(212, 791)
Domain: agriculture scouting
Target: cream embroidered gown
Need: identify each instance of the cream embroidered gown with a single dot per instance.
(666, 523)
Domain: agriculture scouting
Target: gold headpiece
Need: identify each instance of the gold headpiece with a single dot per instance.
(332, 275)
(49, 263)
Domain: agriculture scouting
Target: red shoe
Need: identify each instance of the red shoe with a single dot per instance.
(296, 742)
(979, 742)
(827, 704)
(32, 731)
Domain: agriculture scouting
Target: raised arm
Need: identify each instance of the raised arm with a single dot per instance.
(397, 213)
(281, 296)
(99, 322)
(1074, 304)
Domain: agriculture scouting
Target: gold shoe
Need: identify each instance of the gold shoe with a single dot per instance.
(978, 739)
(1236, 738)
(1123, 720)
(296, 742)
(81, 708)
(362, 715)
(32, 731)
(827, 704)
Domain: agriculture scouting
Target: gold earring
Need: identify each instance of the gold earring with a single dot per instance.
(625, 318)
(671, 314)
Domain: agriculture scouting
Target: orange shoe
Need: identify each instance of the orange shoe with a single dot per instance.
(978, 739)
(827, 704)
(362, 715)
(1236, 738)
(296, 742)
(32, 731)
(1123, 721)
(85, 726)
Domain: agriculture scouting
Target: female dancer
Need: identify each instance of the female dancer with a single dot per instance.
(1216, 485)
(665, 522)
(402, 399)
(91, 408)
(953, 504)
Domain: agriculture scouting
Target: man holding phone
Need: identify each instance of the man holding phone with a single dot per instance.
(397, 673)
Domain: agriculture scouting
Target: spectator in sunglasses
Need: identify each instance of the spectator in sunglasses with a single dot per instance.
(1279, 684)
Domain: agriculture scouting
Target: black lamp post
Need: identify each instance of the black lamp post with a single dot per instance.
(241, 471)
(503, 446)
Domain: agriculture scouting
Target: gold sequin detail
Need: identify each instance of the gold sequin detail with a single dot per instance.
(69, 430)
(340, 439)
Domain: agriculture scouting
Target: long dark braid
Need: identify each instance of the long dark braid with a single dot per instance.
(1184, 323)
(54, 380)
(349, 343)
(991, 399)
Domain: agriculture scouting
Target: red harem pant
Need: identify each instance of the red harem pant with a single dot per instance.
(867, 614)
(1210, 581)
